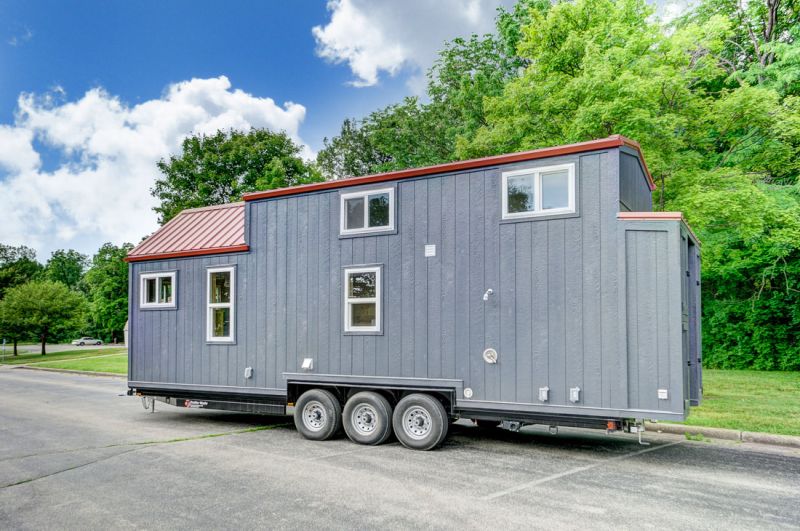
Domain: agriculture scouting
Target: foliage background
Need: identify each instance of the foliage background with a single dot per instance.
(713, 98)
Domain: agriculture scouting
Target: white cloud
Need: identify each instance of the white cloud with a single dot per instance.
(100, 190)
(669, 10)
(374, 36)
(24, 36)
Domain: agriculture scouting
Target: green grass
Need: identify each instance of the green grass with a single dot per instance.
(35, 357)
(749, 401)
(117, 363)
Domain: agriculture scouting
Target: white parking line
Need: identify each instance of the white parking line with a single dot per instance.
(576, 470)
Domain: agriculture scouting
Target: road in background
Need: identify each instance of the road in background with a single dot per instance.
(75, 452)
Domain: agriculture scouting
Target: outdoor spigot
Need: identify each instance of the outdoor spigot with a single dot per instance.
(486, 295)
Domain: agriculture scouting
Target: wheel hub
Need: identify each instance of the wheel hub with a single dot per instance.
(417, 423)
(314, 416)
(364, 419)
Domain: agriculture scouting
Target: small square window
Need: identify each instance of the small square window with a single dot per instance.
(157, 290)
(362, 299)
(367, 212)
(538, 191)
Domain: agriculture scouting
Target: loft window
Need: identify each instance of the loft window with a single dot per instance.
(221, 291)
(157, 290)
(539, 191)
(362, 299)
(367, 212)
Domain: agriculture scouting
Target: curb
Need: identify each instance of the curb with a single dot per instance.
(790, 441)
(71, 371)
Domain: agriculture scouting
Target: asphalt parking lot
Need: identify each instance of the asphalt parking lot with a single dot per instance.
(75, 453)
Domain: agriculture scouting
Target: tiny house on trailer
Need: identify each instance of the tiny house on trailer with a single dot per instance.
(530, 288)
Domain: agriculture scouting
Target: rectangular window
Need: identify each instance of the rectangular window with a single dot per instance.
(157, 290)
(362, 299)
(221, 291)
(366, 212)
(539, 191)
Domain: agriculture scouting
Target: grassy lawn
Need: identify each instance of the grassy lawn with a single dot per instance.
(35, 357)
(117, 363)
(749, 401)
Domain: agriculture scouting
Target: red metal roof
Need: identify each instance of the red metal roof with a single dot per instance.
(614, 141)
(196, 231)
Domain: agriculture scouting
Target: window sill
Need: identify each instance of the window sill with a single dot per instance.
(541, 217)
(157, 308)
(363, 333)
(223, 343)
(362, 234)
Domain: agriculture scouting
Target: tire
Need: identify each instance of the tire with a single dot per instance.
(318, 415)
(81, 344)
(367, 418)
(99, 343)
(420, 422)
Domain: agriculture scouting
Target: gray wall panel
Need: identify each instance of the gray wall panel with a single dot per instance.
(572, 302)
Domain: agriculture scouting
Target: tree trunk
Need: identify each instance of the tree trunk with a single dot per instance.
(44, 341)
(15, 346)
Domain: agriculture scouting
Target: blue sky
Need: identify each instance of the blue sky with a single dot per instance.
(135, 49)
(93, 93)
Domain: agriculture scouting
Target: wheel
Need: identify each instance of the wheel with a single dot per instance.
(318, 415)
(99, 343)
(81, 344)
(420, 422)
(367, 418)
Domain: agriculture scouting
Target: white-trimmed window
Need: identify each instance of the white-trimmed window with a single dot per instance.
(221, 293)
(157, 290)
(367, 211)
(362, 299)
(539, 191)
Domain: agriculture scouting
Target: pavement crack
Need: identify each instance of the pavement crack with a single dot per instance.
(82, 465)
(149, 443)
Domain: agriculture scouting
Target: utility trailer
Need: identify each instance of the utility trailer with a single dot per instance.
(529, 288)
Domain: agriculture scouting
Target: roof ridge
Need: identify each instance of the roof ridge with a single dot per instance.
(609, 142)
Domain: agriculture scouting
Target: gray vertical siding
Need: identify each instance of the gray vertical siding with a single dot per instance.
(557, 316)
(634, 191)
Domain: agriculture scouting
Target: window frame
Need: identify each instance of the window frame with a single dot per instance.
(157, 275)
(349, 301)
(537, 172)
(231, 304)
(344, 197)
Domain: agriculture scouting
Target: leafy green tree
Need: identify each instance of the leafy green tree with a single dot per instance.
(17, 266)
(9, 328)
(412, 134)
(66, 267)
(763, 32)
(351, 153)
(107, 284)
(44, 308)
(751, 268)
(219, 168)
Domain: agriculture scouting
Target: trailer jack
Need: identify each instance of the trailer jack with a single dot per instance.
(148, 402)
(638, 429)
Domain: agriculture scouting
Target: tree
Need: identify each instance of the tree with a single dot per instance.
(10, 328)
(66, 267)
(107, 284)
(44, 308)
(17, 266)
(412, 134)
(219, 168)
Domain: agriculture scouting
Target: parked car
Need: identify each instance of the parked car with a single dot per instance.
(87, 341)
